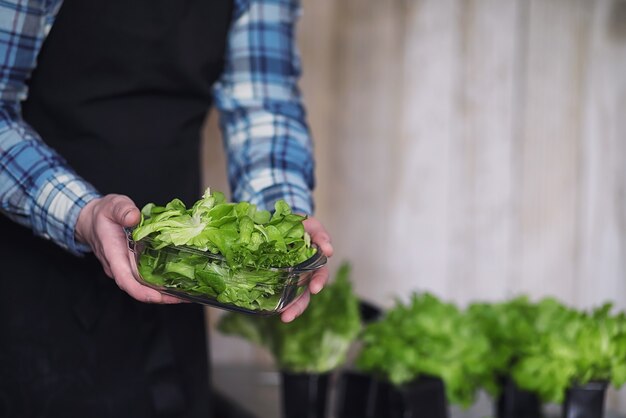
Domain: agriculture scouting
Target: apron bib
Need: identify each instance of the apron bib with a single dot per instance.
(121, 91)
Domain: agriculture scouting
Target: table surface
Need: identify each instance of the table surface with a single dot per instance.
(258, 392)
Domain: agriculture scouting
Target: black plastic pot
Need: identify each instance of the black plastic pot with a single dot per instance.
(354, 395)
(361, 396)
(304, 395)
(514, 402)
(422, 398)
(585, 401)
(369, 312)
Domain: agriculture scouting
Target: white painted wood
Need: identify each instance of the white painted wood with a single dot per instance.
(415, 247)
(602, 263)
(316, 36)
(557, 50)
(367, 83)
(482, 179)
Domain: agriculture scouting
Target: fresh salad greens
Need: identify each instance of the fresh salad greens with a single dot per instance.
(545, 347)
(246, 243)
(571, 347)
(316, 342)
(508, 325)
(429, 337)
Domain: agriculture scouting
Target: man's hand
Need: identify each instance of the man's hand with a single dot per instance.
(320, 237)
(101, 225)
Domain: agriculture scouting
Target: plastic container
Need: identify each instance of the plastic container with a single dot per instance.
(304, 395)
(206, 278)
(514, 402)
(424, 397)
(585, 401)
(356, 393)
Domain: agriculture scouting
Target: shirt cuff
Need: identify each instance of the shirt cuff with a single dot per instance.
(73, 246)
(57, 205)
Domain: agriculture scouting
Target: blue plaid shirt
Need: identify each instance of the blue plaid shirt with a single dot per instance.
(263, 121)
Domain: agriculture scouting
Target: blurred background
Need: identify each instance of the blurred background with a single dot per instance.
(475, 149)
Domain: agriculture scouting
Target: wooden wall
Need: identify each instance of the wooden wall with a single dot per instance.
(472, 148)
(476, 149)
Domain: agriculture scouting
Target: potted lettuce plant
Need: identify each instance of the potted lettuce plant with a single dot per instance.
(353, 388)
(426, 354)
(573, 357)
(308, 349)
(508, 325)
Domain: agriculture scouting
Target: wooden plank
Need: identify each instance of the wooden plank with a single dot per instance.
(316, 36)
(603, 220)
(394, 155)
(482, 177)
(418, 246)
(367, 99)
(602, 263)
(554, 76)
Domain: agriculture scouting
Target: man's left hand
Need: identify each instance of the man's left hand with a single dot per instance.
(321, 238)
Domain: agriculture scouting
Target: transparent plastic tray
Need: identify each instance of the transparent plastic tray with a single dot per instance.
(206, 278)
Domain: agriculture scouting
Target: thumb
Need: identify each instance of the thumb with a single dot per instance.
(124, 211)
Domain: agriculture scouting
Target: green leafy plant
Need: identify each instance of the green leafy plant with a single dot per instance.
(317, 341)
(508, 325)
(247, 245)
(570, 347)
(429, 337)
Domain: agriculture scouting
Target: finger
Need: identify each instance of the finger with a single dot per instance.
(130, 285)
(123, 211)
(116, 254)
(319, 280)
(319, 236)
(98, 252)
(105, 266)
(296, 308)
(166, 299)
(122, 274)
(325, 246)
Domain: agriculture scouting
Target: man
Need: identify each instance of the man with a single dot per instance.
(116, 98)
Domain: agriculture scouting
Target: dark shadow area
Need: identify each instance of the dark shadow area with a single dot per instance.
(225, 407)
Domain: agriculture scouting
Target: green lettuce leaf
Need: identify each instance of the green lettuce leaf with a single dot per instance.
(317, 341)
(571, 347)
(429, 337)
(251, 241)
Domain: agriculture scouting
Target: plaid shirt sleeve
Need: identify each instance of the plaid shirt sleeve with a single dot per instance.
(263, 121)
(37, 189)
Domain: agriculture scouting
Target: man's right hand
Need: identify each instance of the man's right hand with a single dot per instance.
(101, 225)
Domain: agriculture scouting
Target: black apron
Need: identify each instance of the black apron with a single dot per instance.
(121, 91)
